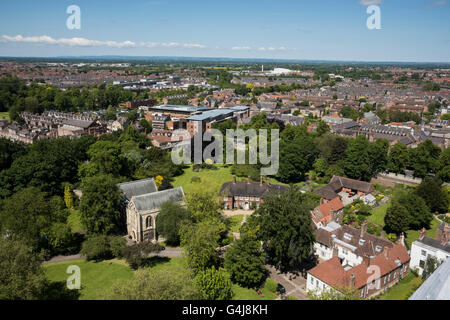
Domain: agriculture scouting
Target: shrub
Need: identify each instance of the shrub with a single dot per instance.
(214, 284)
(137, 254)
(97, 248)
(117, 244)
(196, 179)
(271, 285)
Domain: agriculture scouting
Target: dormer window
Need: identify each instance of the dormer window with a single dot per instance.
(348, 236)
(378, 248)
(361, 242)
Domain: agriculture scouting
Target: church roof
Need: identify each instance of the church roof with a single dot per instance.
(154, 200)
(138, 188)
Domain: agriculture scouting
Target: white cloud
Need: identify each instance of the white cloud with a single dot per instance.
(82, 42)
(262, 49)
(194, 45)
(241, 48)
(72, 42)
(436, 4)
(370, 2)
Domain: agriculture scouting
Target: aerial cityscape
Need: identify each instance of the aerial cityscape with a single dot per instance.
(237, 151)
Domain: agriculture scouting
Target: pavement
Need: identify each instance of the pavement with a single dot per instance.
(295, 285)
(64, 258)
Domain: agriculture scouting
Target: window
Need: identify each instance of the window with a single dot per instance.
(312, 281)
(424, 253)
(344, 251)
(389, 277)
(385, 278)
(395, 274)
(422, 264)
(148, 222)
(362, 293)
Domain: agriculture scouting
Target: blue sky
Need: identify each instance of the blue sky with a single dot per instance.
(412, 30)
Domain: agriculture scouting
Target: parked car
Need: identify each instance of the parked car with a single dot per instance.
(281, 289)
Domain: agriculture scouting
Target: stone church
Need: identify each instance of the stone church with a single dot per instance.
(143, 202)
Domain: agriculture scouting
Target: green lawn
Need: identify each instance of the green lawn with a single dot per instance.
(403, 289)
(96, 278)
(250, 294)
(4, 115)
(74, 221)
(210, 179)
(378, 214)
(413, 235)
(234, 222)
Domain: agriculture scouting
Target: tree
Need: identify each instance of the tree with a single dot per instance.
(397, 218)
(68, 198)
(296, 158)
(214, 284)
(203, 205)
(398, 158)
(419, 213)
(431, 264)
(199, 242)
(26, 216)
(286, 230)
(137, 254)
(155, 285)
(344, 293)
(322, 128)
(96, 248)
(169, 220)
(100, 205)
(61, 239)
(357, 159)
(378, 156)
(244, 260)
(21, 274)
(435, 196)
(425, 158)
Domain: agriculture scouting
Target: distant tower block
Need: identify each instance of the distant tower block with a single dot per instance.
(262, 68)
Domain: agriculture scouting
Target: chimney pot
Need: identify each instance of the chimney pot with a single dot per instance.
(234, 179)
(422, 233)
(268, 180)
(248, 179)
(260, 180)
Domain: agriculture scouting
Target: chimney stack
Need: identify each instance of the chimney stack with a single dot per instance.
(248, 179)
(386, 252)
(234, 179)
(352, 280)
(422, 233)
(363, 228)
(401, 240)
(268, 180)
(261, 180)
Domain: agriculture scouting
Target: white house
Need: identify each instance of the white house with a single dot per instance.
(424, 247)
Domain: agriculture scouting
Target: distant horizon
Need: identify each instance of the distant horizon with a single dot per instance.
(410, 31)
(219, 59)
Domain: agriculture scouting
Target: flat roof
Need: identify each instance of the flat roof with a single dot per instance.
(211, 114)
(179, 108)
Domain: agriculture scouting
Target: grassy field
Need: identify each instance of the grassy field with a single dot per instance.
(403, 289)
(4, 115)
(210, 179)
(74, 221)
(413, 235)
(96, 278)
(378, 214)
(250, 294)
(234, 222)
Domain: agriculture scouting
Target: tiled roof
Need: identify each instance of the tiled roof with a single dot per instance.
(252, 189)
(337, 183)
(137, 188)
(154, 200)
